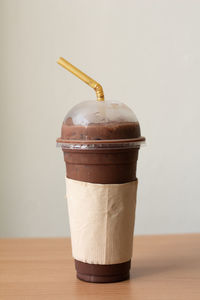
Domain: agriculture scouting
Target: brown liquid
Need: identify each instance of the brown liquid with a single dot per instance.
(107, 131)
(101, 166)
(105, 167)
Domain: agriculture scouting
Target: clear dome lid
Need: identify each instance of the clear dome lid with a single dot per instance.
(100, 122)
(99, 112)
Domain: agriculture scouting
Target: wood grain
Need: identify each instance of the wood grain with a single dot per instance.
(164, 267)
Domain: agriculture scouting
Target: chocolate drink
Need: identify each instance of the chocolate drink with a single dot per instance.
(103, 166)
(100, 141)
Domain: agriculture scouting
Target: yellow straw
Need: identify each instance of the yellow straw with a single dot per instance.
(91, 82)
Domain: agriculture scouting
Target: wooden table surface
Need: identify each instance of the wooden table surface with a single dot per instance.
(164, 267)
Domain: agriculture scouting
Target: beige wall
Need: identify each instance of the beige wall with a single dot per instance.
(145, 53)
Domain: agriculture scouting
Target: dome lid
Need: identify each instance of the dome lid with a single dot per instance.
(100, 122)
(99, 112)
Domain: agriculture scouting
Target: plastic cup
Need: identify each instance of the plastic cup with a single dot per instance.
(100, 143)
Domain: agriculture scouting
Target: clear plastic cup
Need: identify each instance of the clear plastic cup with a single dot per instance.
(100, 142)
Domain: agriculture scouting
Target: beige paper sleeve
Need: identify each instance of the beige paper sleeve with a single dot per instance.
(101, 220)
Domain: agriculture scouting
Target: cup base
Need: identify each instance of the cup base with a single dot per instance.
(102, 273)
(103, 279)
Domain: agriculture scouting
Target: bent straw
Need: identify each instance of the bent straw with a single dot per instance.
(91, 82)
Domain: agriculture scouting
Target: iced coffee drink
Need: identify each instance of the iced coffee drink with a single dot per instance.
(100, 142)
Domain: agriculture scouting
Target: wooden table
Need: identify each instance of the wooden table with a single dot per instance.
(164, 267)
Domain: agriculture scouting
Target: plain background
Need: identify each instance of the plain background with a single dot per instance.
(144, 53)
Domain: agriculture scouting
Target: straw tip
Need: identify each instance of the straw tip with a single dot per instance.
(59, 60)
